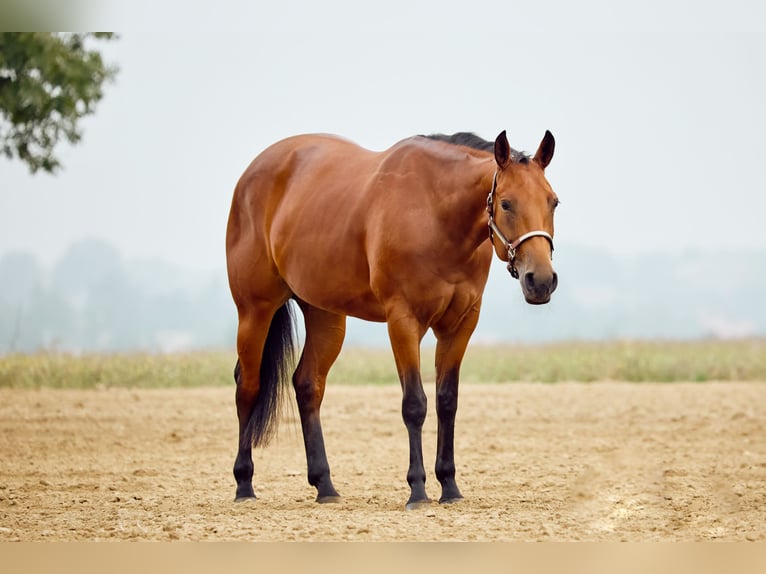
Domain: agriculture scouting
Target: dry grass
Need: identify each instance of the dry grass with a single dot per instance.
(139, 370)
(636, 361)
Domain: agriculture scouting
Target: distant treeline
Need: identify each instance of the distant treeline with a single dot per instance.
(95, 300)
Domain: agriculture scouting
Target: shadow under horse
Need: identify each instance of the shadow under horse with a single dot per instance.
(404, 236)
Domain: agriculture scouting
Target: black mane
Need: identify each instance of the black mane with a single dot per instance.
(471, 140)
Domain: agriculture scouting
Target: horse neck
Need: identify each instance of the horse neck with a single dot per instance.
(465, 211)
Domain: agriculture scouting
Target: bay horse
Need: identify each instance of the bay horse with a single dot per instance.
(399, 236)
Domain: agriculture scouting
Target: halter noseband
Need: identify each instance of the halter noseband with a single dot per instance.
(511, 246)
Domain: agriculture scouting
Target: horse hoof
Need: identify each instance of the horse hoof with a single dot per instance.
(244, 498)
(415, 504)
(331, 499)
(452, 500)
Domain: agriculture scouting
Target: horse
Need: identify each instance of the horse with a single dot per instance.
(404, 236)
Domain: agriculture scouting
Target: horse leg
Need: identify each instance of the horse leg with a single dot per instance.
(324, 337)
(251, 336)
(262, 331)
(405, 335)
(450, 348)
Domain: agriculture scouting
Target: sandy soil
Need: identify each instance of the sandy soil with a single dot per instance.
(605, 461)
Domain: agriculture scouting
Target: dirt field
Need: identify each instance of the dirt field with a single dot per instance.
(604, 461)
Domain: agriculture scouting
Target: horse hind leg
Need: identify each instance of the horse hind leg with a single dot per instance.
(324, 338)
(265, 355)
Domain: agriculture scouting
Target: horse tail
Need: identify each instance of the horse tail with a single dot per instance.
(277, 365)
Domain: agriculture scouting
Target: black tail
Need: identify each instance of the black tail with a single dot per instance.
(277, 364)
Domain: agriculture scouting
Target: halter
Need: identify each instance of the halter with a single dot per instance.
(511, 246)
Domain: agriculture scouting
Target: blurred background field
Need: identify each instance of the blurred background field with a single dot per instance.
(632, 361)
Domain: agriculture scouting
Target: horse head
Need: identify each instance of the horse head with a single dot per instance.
(521, 207)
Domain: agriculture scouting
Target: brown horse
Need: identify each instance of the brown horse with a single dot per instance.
(398, 236)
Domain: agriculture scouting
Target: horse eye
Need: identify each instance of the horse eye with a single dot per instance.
(506, 205)
(556, 203)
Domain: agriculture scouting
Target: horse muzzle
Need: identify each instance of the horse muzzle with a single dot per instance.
(538, 286)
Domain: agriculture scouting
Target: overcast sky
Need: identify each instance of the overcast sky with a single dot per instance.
(657, 109)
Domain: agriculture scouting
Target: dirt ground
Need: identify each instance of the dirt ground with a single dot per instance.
(603, 461)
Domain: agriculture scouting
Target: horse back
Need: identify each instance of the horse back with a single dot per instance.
(339, 224)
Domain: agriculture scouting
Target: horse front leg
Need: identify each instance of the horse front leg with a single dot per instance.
(405, 335)
(446, 408)
(414, 406)
(450, 348)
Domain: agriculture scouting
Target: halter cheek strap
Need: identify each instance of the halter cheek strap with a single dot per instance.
(511, 246)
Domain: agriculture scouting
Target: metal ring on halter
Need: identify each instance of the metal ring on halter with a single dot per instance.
(511, 246)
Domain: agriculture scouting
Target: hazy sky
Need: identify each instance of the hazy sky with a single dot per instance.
(657, 108)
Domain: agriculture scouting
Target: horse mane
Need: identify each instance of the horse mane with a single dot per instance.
(473, 141)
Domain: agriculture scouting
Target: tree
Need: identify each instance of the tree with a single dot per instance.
(48, 82)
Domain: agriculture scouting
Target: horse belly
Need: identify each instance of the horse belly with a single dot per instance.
(326, 266)
(334, 288)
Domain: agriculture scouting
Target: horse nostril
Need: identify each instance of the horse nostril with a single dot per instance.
(549, 285)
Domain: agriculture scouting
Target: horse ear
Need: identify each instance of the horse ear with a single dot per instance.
(502, 150)
(544, 153)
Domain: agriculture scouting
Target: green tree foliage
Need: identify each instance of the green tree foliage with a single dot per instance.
(48, 82)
